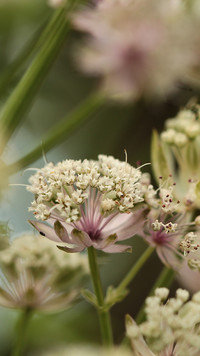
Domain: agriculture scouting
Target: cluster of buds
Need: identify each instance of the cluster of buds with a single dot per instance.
(36, 275)
(88, 203)
(171, 327)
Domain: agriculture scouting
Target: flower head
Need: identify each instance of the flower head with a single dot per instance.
(166, 223)
(136, 46)
(34, 274)
(88, 203)
(171, 328)
(179, 155)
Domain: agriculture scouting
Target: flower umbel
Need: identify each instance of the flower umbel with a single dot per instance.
(88, 203)
(34, 274)
(172, 327)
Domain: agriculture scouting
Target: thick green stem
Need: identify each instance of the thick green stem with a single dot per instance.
(104, 316)
(61, 131)
(22, 97)
(164, 279)
(21, 333)
(135, 269)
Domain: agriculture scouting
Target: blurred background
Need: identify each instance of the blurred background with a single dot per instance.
(113, 129)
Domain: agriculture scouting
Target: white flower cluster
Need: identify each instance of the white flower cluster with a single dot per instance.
(36, 274)
(173, 323)
(168, 228)
(179, 154)
(169, 205)
(64, 187)
(183, 128)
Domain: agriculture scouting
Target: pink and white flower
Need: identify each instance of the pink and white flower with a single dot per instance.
(88, 203)
(136, 47)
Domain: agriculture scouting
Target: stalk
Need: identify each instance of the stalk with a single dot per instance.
(60, 132)
(104, 316)
(23, 95)
(135, 269)
(164, 279)
(21, 333)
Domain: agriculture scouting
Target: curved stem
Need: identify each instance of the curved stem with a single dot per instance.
(60, 131)
(135, 269)
(104, 316)
(21, 333)
(22, 97)
(164, 279)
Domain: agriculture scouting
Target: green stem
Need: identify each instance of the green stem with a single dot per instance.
(104, 316)
(21, 98)
(60, 132)
(7, 76)
(21, 333)
(164, 279)
(135, 269)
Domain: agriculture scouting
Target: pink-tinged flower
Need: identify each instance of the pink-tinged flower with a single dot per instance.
(138, 47)
(35, 274)
(171, 327)
(166, 224)
(88, 203)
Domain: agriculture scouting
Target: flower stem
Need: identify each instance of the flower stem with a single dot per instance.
(164, 279)
(104, 316)
(61, 131)
(135, 269)
(21, 332)
(22, 97)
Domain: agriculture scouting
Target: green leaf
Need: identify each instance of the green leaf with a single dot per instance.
(22, 97)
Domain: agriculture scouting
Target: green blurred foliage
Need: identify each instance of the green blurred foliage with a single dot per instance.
(114, 128)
